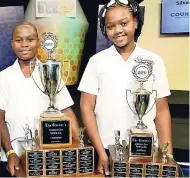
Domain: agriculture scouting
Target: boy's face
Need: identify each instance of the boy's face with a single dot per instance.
(120, 26)
(25, 42)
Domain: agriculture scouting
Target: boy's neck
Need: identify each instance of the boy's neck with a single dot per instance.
(126, 51)
(25, 66)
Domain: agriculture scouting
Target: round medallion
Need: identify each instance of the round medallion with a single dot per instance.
(49, 42)
(142, 72)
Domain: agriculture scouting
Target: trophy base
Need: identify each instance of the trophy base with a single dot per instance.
(50, 114)
(72, 161)
(142, 167)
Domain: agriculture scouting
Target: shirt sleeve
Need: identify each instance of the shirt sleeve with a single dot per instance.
(161, 81)
(89, 81)
(3, 101)
(63, 99)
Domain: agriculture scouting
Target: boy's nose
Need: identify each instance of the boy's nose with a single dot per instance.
(24, 43)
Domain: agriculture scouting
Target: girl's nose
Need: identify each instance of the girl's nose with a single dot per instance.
(118, 29)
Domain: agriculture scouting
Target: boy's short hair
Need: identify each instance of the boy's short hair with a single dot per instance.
(24, 23)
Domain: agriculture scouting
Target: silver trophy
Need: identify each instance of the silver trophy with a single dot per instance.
(81, 137)
(164, 152)
(117, 144)
(117, 138)
(141, 96)
(50, 72)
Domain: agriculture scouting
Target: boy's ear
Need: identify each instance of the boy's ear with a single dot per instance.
(38, 43)
(12, 43)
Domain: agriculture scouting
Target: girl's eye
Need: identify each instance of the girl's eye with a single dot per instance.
(124, 23)
(109, 27)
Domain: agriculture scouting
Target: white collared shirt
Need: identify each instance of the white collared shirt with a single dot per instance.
(108, 77)
(23, 102)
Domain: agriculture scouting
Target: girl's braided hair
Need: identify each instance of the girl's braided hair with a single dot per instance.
(131, 4)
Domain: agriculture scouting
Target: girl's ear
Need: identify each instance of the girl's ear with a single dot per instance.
(136, 23)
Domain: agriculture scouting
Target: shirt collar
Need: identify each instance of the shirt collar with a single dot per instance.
(17, 69)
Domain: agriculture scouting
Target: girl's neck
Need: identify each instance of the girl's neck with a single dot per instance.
(27, 66)
(126, 51)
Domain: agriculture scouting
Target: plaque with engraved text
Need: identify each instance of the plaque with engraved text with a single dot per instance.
(85, 160)
(52, 162)
(55, 132)
(169, 171)
(34, 163)
(136, 170)
(69, 159)
(120, 169)
(141, 146)
(152, 170)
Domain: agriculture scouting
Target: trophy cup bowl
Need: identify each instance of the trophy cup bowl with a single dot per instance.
(141, 98)
(50, 75)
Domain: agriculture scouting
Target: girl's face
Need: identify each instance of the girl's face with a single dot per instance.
(120, 26)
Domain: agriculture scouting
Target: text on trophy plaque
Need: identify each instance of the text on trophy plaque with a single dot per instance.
(69, 159)
(136, 170)
(52, 162)
(55, 131)
(34, 163)
(85, 158)
(141, 145)
(120, 169)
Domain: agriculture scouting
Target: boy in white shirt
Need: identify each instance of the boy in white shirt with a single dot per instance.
(21, 102)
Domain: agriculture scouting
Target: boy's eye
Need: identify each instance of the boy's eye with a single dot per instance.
(18, 40)
(30, 39)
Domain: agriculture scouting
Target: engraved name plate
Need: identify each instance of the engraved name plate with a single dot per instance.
(69, 159)
(120, 169)
(34, 163)
(55, 132)
(169, 171)
(85, 160)
(141, 146)
(136, 170)
(152, 170)
(52, 162)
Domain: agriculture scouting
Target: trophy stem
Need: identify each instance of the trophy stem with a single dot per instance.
(52, 111)
(140, 124)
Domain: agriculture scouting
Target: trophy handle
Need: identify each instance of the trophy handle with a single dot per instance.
(128, 102)
(31, 73)
(64, 83)
(154, 101)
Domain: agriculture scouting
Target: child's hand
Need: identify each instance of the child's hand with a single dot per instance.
(103, 164)
(13, 163)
